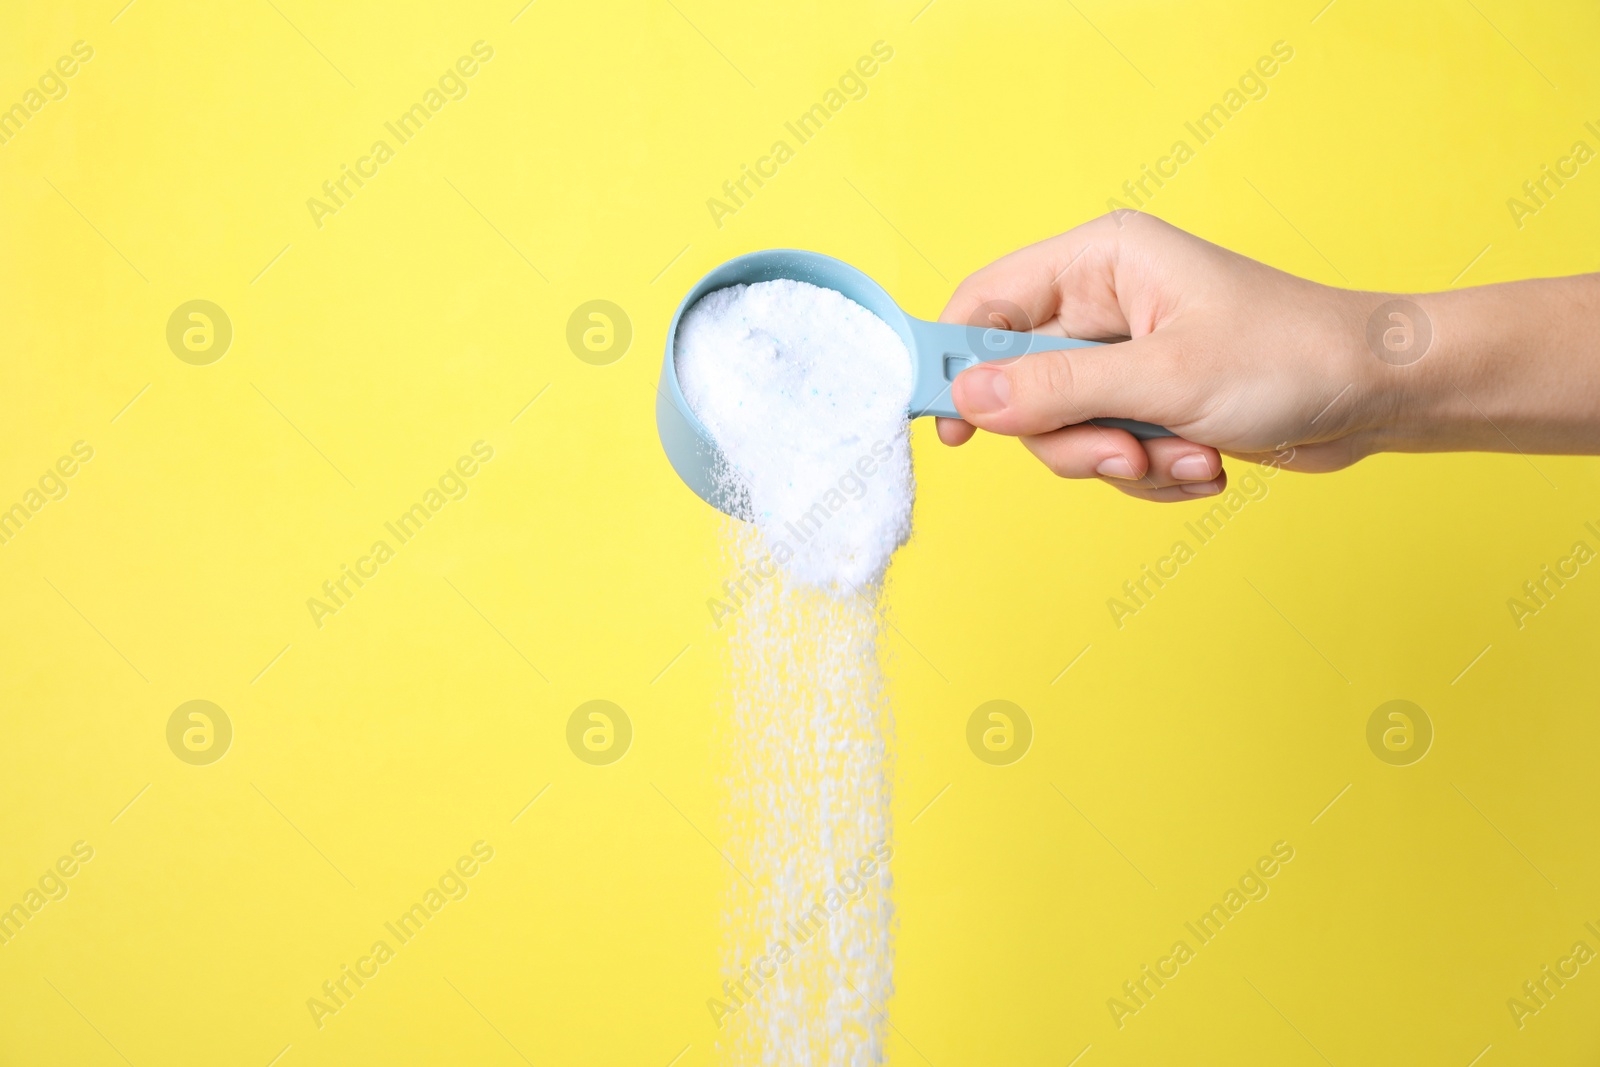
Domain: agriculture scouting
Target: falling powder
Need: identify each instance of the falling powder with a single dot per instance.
(805, 393)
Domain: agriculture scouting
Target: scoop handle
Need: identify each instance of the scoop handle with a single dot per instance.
(944, 350)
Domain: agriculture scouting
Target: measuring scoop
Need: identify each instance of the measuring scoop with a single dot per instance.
(940, 351)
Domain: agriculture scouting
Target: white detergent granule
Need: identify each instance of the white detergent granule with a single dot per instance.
(805, 393)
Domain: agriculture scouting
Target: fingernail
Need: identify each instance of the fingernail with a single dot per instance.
(1200, 488)
(1192, 467)
(1116, 467)
(985, 390)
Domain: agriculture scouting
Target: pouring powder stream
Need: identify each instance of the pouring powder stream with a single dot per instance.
(805, 393)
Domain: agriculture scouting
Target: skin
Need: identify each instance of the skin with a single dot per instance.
(1248, 362)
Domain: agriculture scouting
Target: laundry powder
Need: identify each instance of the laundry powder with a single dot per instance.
(805, 393)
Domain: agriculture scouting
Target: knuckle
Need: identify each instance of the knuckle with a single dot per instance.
(1177, 378)
(973, 290)
(1122, 219)
(1052, 377)
(1060, 465)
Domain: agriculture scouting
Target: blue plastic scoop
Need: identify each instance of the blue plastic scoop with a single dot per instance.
(940, 351)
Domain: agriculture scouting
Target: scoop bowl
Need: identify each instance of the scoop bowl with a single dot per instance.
(939, 350)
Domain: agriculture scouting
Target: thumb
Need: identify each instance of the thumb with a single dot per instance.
(1044, 391)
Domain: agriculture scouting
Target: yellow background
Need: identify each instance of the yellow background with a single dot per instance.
(427, 313)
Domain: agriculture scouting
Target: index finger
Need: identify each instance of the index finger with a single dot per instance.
(1063, 285)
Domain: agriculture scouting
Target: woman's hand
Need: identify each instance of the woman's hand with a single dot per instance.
(1231, 355)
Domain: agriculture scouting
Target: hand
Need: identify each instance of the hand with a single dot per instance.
(1233, 356)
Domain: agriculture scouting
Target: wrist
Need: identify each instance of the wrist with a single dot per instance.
(1419, 351)
(1378, 340)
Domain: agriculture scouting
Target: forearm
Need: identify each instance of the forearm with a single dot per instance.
(1513, 367)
